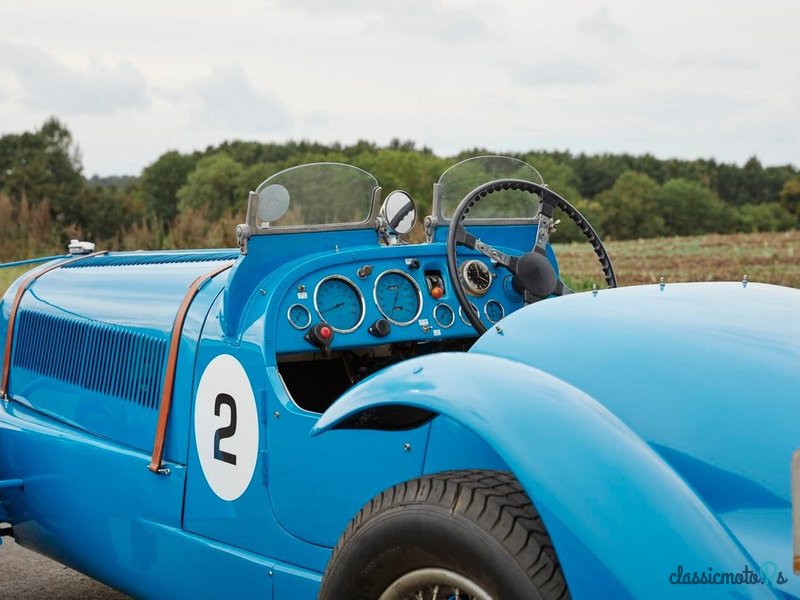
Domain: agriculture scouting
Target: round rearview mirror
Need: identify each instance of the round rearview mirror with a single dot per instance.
(273, 202)
(399, 212)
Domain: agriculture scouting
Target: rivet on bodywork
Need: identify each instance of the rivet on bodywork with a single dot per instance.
(594, 289)
(263, 292)
(407, 447)
(744, 280)
(662, 284)
(276, 414)
(498, 330)
(301, 288)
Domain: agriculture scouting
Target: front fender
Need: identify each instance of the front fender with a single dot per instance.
(621, 519)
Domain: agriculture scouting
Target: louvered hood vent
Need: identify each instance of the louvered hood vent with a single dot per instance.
(104, 358)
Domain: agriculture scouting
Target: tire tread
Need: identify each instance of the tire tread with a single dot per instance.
(495, 501)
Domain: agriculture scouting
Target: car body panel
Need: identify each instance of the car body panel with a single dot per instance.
(669, 409)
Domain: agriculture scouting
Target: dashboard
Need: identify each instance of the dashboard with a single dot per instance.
(389, 295)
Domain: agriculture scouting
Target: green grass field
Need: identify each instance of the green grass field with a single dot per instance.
(764, 257)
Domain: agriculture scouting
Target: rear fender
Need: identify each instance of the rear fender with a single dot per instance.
(621, 519)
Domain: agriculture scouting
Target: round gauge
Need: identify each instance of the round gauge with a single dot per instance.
(476, 276)
(494, 311)
(444, 315)
(398, 297)
(464, 317)
(299, 316)
(339, 303)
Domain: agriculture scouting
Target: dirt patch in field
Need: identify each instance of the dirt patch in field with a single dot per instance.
(763, 257)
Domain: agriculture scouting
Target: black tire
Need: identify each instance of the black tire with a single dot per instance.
(477, 524)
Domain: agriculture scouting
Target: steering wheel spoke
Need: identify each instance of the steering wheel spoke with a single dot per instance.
(543, 229)
(470, 241)
(562, 289)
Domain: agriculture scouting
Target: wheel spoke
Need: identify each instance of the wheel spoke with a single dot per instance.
(436, 584)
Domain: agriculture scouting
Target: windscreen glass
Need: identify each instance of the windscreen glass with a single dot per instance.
(459, 180)
(315, 194)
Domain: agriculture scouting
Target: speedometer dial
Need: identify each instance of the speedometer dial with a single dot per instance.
(339, 303)
(398, 297)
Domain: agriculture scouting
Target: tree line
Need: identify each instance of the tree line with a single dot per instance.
(195, 199)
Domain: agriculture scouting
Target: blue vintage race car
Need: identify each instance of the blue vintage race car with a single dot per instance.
(330, 412)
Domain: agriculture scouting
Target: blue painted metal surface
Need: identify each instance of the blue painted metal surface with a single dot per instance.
(652, 428)
(674, 431)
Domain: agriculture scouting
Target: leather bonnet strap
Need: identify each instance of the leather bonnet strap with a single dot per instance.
(172, 361)
(27, 283)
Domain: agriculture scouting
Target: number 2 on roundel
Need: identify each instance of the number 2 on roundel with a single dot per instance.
(226, 427)
(227, 431)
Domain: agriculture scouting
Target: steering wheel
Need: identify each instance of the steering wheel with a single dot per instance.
(534, 276)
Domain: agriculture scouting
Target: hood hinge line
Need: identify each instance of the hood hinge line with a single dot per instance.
(24, 286)
(172, 360)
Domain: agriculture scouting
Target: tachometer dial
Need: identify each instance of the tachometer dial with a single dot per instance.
(464, 317)
(299, 316)
(444, 316)
(494, 311)
(476, 276)
(339, 303)
(398, 297)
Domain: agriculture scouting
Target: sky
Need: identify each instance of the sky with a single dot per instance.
(132, 80)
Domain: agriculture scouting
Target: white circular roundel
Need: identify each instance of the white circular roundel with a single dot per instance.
(226, 427)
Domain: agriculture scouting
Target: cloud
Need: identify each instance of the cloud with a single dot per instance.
(694, 109)
(228, 100)
(602, 26)
(562, 72)
(736, 64)
(429, 18)
(732, 63)
(49, 85)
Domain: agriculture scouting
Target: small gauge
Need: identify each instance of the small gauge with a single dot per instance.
(339, 303)
(299, 316)
(398, 297)
(444, 316)
(476, 276)
(464, 317)
(494, 311)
